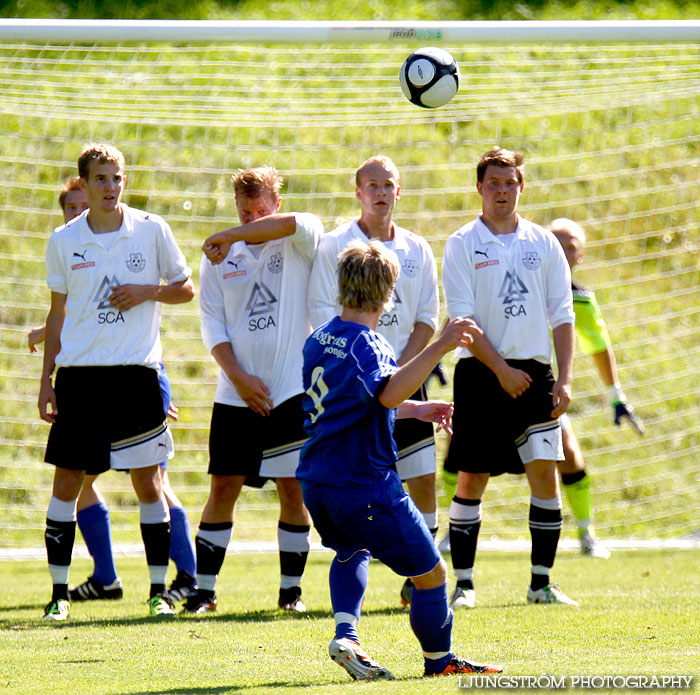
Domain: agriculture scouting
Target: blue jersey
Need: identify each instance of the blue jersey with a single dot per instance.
(351, 434)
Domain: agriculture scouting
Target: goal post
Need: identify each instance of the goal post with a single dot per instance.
(347, 32)
(611, 138)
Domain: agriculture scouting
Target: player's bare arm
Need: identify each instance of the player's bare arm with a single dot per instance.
(268, 228)
(249, 387)
(436, 411)
(513, 381)
(419, 338)
(406, 381)
(36, 336)
(126, 297)
(563, 338)
(54, 324)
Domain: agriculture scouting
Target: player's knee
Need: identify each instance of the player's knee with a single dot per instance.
(436, 577)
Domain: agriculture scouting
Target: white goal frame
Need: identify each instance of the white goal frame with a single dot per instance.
(230, 31)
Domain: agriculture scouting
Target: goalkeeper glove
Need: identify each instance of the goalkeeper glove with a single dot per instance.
(623, 409)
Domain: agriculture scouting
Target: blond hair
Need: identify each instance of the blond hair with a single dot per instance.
(500, 158)
(101, 154)
(367, 273)
(564, 224)
(380, 159)
(252, 182)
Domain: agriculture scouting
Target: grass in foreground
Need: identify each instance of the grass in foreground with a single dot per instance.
(638, 616)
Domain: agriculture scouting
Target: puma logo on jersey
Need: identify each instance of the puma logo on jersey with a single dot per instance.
(84, 264)
(481, 253)
(236, 272)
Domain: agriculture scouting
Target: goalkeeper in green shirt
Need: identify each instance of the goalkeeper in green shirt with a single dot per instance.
(595, 341)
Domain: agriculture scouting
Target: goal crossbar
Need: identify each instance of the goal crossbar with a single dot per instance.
(65, 31)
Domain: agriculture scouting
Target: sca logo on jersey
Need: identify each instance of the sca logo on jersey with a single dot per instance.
(260, 307)
(275, 263)
(390, 318)
(410, 267)
(102, 299)
(513, 291)
(84, 264)
(136, 262)
(531, 260)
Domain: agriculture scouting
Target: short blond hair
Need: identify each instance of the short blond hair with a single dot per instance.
(74, 183)
(101, 154)
(564, 224)
(252, 182)
(381, 159)
(367, 273)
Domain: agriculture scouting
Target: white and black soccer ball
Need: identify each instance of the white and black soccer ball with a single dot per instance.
(429, 77)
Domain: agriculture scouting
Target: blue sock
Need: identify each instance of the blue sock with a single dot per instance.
(96, 528)
(181, 543)
(431, 622)
(348, 582)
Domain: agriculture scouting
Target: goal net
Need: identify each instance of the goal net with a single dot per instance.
(611, 137)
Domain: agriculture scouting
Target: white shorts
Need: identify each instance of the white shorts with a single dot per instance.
(147, 451)
(417, 460)
(279, 465)
(540, 442)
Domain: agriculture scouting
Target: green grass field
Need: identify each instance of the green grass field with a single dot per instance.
(612, 139)
(638, 616)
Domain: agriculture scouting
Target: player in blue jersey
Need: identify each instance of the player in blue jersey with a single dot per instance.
(353, 389)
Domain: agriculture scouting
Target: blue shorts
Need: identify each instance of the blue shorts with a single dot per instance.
(382, 519)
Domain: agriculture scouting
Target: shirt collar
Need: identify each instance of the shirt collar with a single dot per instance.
(87, 236)
(522, 231)
(398, 242)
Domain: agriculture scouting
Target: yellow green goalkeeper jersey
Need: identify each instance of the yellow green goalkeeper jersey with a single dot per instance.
(592, 333)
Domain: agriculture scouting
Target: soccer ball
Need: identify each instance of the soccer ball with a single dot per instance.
(429, 77)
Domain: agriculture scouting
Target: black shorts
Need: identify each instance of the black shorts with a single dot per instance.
(100, 406)
(242, 442)
(487, 421)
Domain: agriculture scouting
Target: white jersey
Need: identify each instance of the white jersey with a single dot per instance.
(514, 292)
(256, 300)
(415, 296)
(80, 266)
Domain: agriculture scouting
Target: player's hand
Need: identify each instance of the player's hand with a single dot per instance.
(439, 412)
(561, 398)
(458, 332)
(216, 247)
(47, 401)
(36, 336)
(125, 297)
(173, 412)
(625, 410)
(514, 381)
(254, 392)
